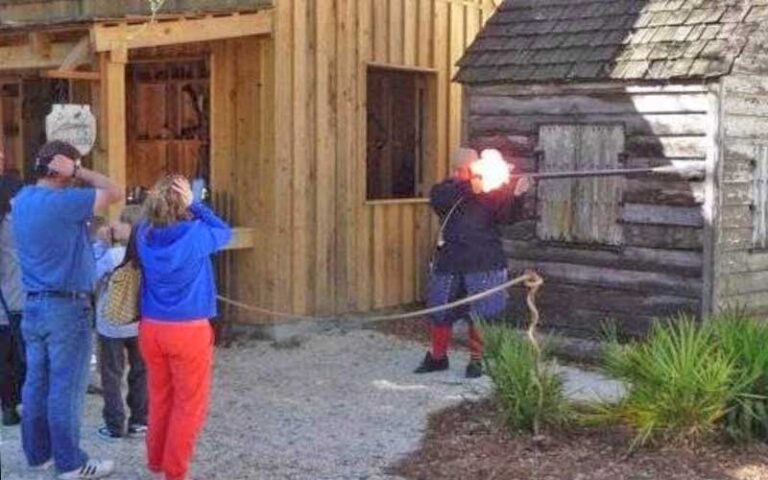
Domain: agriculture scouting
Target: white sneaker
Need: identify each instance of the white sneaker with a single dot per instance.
(42, 466)
(92, 469)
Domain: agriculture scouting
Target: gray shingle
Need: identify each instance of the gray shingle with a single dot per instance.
(680, 67)
(706, 15)
(734, 14)
(693, 49)
(635, 70)
(696, 32)
(660, 51)
(665, 34)
(758, 14)
(577, 40)
(710, 32)
(660, 19)
(588, 70)
(678, 17)
(681, 33)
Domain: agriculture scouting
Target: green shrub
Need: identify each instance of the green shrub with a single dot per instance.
(744, 341)
(529, 389)
(679, 382)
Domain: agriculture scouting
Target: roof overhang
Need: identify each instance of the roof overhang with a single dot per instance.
(58, 51)
(15, 14)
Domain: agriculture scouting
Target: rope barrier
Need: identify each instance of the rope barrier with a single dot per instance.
(530, 279)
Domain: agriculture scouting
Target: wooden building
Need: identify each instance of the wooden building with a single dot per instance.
(319, 123)
(564, 84)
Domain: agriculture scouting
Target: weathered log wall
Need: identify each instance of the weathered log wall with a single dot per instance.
(658, 269)
(742, 265)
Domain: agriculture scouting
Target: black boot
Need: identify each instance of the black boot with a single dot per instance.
(431, 364)
(11, 417)
(474, 369)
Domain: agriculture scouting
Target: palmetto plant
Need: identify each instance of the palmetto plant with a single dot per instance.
(744, 341)
(680, 383)
(529, 390)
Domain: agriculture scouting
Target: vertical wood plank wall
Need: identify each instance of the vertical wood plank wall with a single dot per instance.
(243, 158)
(288, 133)
(327, 250)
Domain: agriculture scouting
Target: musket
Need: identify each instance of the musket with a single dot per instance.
(616, 172)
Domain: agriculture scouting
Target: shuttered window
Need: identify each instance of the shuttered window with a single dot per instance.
(580, 210)
(760, 198)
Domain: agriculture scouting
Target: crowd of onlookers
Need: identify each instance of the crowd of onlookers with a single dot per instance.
(57, 255)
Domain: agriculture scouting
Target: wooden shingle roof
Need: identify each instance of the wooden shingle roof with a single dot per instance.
(529, 41)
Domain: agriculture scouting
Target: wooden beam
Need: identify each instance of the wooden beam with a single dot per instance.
(78, 55)
(72, 75)
(29, 57)
(242, 238)
(114, 120)
(106, 38)
(41, 44)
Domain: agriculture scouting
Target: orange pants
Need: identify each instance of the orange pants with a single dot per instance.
(179, 359)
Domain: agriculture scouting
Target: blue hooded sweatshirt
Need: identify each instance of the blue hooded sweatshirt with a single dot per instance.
(178, 283)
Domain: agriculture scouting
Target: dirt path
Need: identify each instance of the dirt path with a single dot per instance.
(339, 406)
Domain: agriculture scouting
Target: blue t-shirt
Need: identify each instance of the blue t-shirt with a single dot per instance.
(52, 237)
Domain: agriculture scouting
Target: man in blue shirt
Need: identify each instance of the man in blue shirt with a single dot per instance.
(58, 272)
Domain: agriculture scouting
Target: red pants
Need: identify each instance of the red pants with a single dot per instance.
(441, 341)
(179, 358)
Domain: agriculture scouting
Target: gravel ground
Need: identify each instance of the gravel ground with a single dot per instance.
(336, 406)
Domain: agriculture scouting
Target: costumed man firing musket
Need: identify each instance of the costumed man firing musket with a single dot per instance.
(469, 259)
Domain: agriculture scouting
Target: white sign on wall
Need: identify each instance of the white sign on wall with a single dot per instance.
(74, 124)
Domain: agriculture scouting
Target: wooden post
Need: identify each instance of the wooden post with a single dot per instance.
(113, 111)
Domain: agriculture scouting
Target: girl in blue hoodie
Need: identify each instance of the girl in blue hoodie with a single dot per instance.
(178, 298)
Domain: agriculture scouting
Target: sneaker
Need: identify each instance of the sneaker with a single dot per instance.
(92, 469)
(431, 364)
(474, 369)
(137, 430)
(105, 433)
(42, 466)
(11, 417)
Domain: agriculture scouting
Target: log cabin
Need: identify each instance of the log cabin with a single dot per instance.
(585, 84)
(318, 124)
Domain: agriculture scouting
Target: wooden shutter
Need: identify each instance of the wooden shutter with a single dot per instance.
(598, 200)
(555, 197)
(760, 198)
(581, 210)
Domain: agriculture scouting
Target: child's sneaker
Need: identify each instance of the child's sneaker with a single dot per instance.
(137, 431)
(105, 433)
(42, 466)
(92, 469)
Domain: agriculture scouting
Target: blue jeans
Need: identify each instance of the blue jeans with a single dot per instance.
(57, 333)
